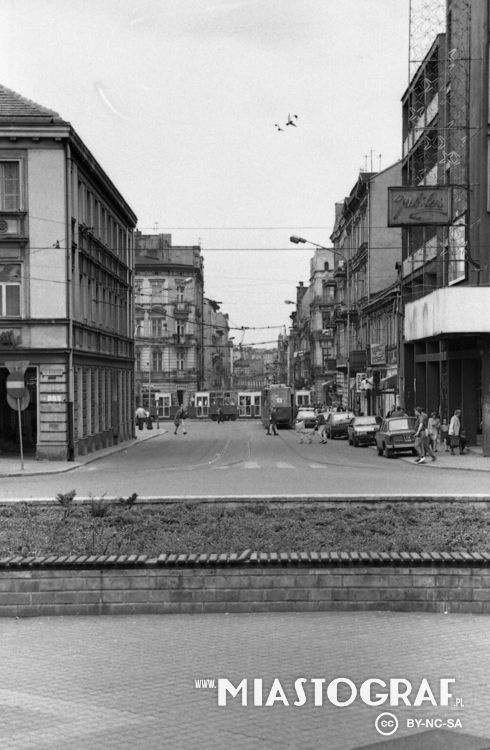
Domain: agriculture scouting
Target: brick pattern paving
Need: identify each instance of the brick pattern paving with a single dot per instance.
(128, 682)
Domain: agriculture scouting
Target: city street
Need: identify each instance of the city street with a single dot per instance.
(238, 458)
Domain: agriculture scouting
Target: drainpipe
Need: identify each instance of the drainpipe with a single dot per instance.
(69, 305)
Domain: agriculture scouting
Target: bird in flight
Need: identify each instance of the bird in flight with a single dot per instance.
(279, 128)
(291, 120)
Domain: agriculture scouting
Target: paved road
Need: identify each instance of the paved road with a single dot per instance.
(129, 682)
(240, 459)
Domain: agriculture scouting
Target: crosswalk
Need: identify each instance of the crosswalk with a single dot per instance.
(254, 465)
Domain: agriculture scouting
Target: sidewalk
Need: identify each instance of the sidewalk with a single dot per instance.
(132, 682)
(10, 464)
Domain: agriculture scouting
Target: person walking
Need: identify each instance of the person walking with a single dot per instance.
(443, 433)
(321, 426)
(141, 416)
(422, 445)
(179, 419)
(454, 431)
(219, 415)
(433, 425)
(272, 423)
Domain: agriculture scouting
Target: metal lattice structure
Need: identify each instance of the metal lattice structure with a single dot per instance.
(427, 19)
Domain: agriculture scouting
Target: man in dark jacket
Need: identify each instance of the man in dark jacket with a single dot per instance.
(272, 423)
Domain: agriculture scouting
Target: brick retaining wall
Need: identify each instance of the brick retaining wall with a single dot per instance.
(247, 582)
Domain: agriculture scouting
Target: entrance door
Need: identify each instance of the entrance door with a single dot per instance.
(9, 420)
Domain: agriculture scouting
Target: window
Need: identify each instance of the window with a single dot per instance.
(9, 186)
(157, 361)
(10, 281)
(180, 331)
(180, 361)
(157, 327)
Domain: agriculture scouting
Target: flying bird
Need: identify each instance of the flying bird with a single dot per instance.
(291, 120)
(277, 126)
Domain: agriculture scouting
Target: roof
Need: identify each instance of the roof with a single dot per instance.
(17, 108)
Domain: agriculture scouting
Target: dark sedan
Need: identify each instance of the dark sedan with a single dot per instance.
(362, 431)
(396, 435)
(336, 423)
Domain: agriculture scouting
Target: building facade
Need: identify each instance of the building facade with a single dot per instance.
(169, 331)
(445, 273)
(66, 264)
(367, 255)
(218, 369)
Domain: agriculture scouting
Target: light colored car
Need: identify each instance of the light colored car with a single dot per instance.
(396, 435)
(306, 415)
(336, 423)
(362, 430)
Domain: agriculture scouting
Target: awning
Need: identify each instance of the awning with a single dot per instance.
(388, 384)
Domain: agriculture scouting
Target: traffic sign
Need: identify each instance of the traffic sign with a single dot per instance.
(15, 384)
(22, 402)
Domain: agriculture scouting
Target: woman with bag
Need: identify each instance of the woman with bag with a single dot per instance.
(454, 430)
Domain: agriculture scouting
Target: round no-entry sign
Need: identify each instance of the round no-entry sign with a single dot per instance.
(15, 384)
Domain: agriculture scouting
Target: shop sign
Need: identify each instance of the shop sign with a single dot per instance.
(419, 206)
(378, 354)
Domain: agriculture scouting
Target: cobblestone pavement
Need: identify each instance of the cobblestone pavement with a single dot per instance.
(129, 682)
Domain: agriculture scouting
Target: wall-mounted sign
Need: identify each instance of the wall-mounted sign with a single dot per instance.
(419, 206)
(377, 354)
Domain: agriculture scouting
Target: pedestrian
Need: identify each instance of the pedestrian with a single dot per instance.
(141, 417)
(443, 434)
(433, 425)
(179, 419)
(219, 415)
(272, 423)
(154, 415)
(454, 430)
(321, 426)
(422, 445)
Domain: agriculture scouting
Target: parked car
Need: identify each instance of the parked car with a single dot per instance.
(307, 415)
(396, 435)
(336, 423)
(362, 430)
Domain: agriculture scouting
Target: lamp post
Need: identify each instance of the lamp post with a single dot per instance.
(296, 240)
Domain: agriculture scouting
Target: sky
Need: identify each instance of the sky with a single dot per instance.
(178, 102)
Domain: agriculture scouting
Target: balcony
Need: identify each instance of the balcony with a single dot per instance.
(182, 310)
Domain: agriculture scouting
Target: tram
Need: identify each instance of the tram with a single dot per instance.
(280, 398)
(207, 404)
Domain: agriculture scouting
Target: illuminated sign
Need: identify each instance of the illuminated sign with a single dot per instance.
(419, 206)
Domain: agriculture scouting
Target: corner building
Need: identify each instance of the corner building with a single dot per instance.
(66, 260)
(445, 272)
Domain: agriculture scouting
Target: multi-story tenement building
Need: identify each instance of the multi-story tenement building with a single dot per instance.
(366, 255)
(312, 333)
(217, 348)
(66, 263)
(445, 275)
(169, 333)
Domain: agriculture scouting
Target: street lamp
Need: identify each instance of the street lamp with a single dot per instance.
(297, 240)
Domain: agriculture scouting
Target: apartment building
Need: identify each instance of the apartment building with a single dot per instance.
(169, 331)
(367, 254)
(66, 263)
(218, 347)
